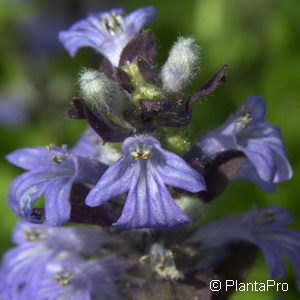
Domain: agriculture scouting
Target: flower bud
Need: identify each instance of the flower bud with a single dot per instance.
(101, 93)
(181, 66)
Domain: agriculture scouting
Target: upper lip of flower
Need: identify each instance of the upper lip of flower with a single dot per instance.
(107, 32)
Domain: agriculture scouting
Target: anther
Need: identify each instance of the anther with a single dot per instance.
(117, 19)
(244, 120)
(49, 147)
(57, 159)
(141, 152)
(63, 278)
(106, 24)
(32, 235)
(269, 217)
(113, 24)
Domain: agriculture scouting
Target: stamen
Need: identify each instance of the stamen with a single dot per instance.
(162, 262)
(49, 147)
(113, 24)
(269, 217)
(57, 159)
(63, 278)
(244, 120)
(106, 24)
(32, 235)
(117, 19)
(141, 152)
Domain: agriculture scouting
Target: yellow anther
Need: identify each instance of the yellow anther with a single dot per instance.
(247, 117)
(145, 156)
(116, 19)
(112, 24)
(32, 235)
(63, 278)
(244, 120)
(141, 152)
(57, 159)
(105, 22)
(49, 147)
(140, 155)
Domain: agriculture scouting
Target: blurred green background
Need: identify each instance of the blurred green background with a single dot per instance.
(259, 39)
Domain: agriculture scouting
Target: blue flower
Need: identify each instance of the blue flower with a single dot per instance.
(144, 170)
(89, 144)
(107, 32)
(53, 261)
(266, 228)
(73, 278)
(22, 268)
(260, 141)
(50, 171)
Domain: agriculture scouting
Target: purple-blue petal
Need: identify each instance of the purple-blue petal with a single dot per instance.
(138, 18)
(115, 181)
(57, 201)
(24, 191)
(273, 257)
(86, 33)
(214, 143)
(256, 106)
(29, 158)
(39, 158)
(248, 172)
(175, 172)
(284, 170)
(262, 158)
(87, 170)
(293, 254)
(149, 204)
(88, 144)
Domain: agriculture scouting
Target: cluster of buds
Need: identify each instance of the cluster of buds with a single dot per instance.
(131, 153)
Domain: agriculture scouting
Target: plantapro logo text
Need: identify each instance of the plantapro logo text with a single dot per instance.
(269, 285)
